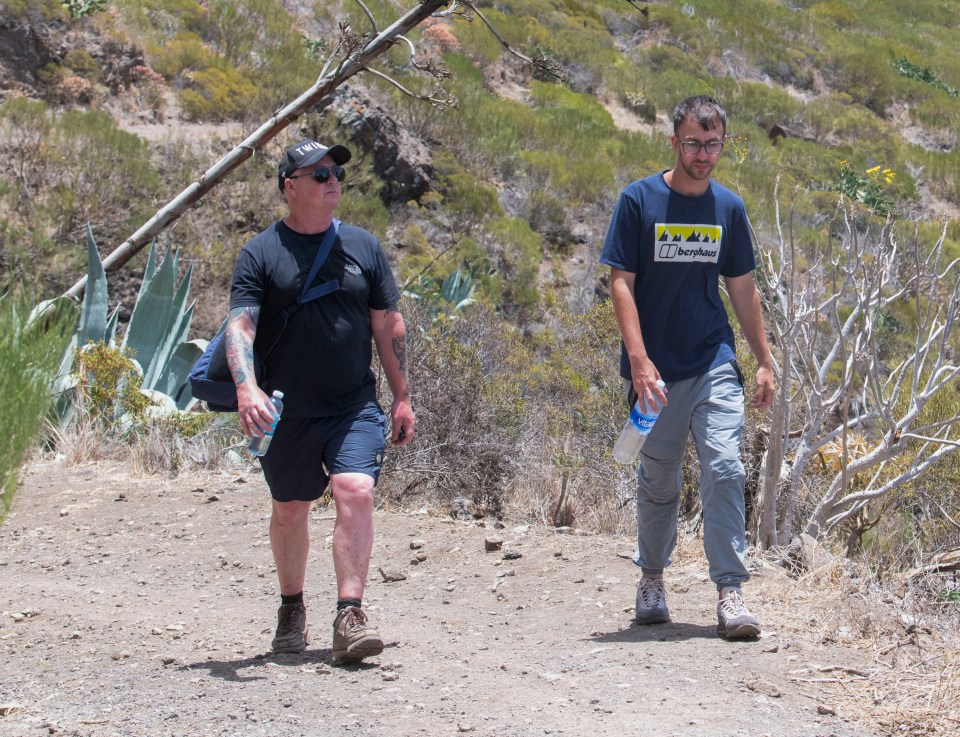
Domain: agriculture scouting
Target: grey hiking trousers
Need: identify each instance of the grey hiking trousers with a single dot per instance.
(710, 408)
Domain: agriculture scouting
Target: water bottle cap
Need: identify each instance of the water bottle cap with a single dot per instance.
(278, 394)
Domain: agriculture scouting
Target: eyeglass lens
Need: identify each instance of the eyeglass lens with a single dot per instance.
(693, 147)
(322, 173)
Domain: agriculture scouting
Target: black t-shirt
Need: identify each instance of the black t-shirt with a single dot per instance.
(322, 361)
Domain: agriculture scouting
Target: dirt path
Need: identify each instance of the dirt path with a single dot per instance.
(145, 606)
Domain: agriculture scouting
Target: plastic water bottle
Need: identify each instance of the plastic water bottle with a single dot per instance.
(635, 432)
(258, 446)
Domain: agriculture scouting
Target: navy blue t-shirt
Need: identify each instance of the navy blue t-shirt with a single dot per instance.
(679, 247)
(322, 362)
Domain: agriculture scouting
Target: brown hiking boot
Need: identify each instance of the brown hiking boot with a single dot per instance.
(293, 632)
(353, 637)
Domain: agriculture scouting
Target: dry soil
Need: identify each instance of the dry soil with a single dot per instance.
(145, 606)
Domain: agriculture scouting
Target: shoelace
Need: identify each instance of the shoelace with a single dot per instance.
(652, 594)
(288, 620)
(732, 605)
(355, 618)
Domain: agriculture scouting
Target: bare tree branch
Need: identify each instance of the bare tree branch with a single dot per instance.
(541, 60)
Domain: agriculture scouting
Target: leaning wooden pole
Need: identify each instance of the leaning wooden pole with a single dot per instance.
(280, 120)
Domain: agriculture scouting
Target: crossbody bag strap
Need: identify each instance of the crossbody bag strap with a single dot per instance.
(308, 294)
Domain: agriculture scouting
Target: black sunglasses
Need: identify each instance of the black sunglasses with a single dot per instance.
(322, 173)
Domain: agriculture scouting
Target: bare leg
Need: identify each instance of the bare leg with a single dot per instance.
(290, 541)
(352, 532)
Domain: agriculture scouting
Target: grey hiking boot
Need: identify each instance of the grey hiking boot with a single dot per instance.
(353, 637)
(293, 632)
(651, 602)
(733, 617)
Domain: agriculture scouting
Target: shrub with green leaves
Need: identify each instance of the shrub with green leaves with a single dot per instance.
(922, 74)
(29, 356)
(867, 188)
(217, 94)
(84, 8)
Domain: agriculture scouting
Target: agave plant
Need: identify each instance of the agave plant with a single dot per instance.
(95, 325)
(155, 337)
(157, 334)
(456, 292)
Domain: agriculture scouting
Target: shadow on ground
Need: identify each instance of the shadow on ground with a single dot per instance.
(671, 631)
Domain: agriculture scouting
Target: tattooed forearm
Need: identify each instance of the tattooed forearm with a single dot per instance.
(400, 351)
(238, 314)
(240, 334)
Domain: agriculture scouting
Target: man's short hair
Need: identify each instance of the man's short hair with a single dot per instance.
(704, 110)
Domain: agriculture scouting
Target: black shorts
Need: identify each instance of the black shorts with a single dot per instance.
(306, 450)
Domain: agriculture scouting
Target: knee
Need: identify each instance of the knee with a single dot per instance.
(354, 490)
(727, 468)
(290, 514)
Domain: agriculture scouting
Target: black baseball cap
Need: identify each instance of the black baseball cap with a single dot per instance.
(309, 152)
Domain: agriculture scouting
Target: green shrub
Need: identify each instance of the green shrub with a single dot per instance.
(185, 52)
(522, 252)
(365, 210)
(109, 388)
(47, 10)
(29, 358)
(864, 72)
(217, 95)
(101, 175)
(467, 197)
(83, 65)
(835, 14)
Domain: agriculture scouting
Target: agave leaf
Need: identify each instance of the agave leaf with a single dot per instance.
(93, 312)
(178, 369)
(178, 330)
(161, 378)
(110, 334)
(151, 320)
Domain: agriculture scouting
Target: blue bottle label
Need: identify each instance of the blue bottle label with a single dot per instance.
(643, 423)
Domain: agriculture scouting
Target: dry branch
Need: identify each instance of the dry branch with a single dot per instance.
(352, 64)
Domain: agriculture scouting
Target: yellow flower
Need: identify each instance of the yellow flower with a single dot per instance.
(873, 171)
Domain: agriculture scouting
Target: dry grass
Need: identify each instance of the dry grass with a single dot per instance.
(909, 638)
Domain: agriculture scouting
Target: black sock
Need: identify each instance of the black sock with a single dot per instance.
(292, 598)
(344, 603)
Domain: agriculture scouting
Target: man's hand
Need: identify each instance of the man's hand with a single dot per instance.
(255, 410)
(402, 422)
(645, 378)
(763, 397)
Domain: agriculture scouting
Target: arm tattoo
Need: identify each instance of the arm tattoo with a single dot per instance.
(400, 351)
(239, 345)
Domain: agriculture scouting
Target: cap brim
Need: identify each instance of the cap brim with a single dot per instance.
(340, 155)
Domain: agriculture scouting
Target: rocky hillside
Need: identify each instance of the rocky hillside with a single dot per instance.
(111, 108)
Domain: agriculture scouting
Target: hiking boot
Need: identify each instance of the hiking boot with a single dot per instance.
(733, 618)
(293, 632)
(651, 602)
(353, 637)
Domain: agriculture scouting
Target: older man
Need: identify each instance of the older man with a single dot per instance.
(333, 430)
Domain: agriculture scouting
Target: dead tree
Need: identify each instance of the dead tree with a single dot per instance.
(835, 390)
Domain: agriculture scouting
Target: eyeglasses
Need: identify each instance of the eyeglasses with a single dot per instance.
(322, 173)
(693, 147)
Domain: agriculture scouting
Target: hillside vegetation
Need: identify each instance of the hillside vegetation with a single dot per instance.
(848, 110)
